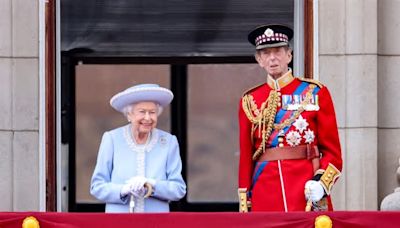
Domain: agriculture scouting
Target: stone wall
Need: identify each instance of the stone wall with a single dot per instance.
(348, 66)
(19, 105)
(388, 96)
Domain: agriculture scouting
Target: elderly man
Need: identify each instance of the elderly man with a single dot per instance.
(290, 152)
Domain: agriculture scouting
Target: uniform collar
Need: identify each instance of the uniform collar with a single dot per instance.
(281, 82)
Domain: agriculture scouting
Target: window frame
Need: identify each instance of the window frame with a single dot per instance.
(54, 111)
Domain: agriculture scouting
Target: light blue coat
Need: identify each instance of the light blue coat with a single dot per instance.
(119, 159)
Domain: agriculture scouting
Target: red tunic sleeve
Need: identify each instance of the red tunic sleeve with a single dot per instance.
(327, 132)
(245, 160)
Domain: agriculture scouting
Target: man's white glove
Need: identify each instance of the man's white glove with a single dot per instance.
(314, 191)
(137, 186)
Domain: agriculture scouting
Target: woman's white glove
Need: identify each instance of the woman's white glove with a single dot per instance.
(314, 191)
(125, 190)
(137, 186)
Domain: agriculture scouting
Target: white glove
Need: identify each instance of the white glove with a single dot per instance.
(314, 191)
(137, 186)
(125, 190)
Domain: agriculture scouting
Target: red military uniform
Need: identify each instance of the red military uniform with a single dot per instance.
(288, 135)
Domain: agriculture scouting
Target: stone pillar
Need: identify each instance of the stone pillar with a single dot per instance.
(348, 66)
(388, 95)
(19, 105)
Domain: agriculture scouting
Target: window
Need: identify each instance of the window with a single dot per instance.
(214, 91)
(95, 85)
(198, 49)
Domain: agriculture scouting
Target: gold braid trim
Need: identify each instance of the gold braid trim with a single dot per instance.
(264, 118)
(244, 203)
(328, 177)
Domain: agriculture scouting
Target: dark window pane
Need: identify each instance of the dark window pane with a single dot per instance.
(214, 91)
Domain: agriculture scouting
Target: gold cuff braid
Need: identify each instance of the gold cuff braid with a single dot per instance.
(244, 205)
(328, 178)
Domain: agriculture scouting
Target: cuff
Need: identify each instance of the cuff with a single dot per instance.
(329, 177)
(243, 203)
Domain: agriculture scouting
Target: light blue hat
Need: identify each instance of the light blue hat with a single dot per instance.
(141, 92)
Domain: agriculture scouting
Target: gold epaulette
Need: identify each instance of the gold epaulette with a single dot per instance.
(313, 81)
(252, 88)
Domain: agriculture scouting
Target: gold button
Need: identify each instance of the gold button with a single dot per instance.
(280, 139)
(329, 175)
(280, 144)
(326, 178)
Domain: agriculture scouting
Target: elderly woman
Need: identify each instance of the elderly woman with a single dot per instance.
(139, 166)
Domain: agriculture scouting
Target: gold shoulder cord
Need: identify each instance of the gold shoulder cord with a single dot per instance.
(264, 118)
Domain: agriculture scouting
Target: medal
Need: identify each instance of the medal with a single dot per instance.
(313, 104)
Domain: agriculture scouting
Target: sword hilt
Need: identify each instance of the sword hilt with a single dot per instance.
(309, 201)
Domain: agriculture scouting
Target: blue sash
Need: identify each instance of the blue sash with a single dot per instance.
(278, 119)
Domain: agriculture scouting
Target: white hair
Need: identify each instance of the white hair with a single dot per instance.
(127, 109)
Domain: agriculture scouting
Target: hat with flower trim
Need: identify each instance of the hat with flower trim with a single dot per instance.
(139, 93)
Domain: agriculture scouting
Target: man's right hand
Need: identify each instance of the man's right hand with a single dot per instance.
(314, 191)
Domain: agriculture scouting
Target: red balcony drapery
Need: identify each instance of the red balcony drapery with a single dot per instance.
(202, 219)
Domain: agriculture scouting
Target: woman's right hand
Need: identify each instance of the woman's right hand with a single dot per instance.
(125, 190)
(136, 186)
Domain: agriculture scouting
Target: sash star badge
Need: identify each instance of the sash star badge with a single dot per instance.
(301, 124)
(309, 136)
(293, 138)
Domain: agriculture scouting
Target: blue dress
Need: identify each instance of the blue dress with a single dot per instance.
(119, 159)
